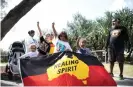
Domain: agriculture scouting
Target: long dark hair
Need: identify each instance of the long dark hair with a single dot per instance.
(64, 33)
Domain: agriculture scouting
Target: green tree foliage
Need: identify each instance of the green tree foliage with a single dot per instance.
(3, 3)
(79, 27)
(3, 6)
(3, 55)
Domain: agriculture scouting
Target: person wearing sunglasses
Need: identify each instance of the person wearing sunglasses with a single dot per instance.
(117, 40)
(60, 41)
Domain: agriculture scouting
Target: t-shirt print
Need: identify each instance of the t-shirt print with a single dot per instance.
(60, 47)
(115, 33)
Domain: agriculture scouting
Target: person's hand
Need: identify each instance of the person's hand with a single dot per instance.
(38, 23)
(53, 24)
(128, 50)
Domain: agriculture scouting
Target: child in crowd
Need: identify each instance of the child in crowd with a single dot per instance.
(61, 41)
(32, 53)
(81, 44)
(46, 45)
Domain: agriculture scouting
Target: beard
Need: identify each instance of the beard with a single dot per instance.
(113, 26)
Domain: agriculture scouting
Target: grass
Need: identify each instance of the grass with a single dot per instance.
(128, 69)
(3, 63)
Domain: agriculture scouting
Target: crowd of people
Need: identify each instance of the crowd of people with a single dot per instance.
(54, 42)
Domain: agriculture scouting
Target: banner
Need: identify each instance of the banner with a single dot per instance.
(64, 69)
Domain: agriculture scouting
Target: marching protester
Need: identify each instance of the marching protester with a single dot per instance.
(81, 44)
(46, 45)
(30, 40)
(117, 39)
(61, 41)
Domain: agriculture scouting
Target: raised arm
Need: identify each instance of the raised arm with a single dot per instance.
(39, 29)
(54, 30)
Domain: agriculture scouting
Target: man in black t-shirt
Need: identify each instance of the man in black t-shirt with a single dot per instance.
(117, 39)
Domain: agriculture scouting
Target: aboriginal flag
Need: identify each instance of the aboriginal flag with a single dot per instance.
(64, 69)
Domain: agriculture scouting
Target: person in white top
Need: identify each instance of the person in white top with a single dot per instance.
(30, 40)
(32, 53)
(60, 41)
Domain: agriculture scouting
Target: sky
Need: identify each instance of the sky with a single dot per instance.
(58, 11)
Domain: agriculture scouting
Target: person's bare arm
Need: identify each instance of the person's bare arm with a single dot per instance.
(39, 29)
(127, 40)
(54, 30)
(108, 40)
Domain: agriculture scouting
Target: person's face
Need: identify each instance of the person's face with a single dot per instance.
(32, 34)
(33, 48)
(82, 43)
(115, 23)
(63, 37)
(48, 37)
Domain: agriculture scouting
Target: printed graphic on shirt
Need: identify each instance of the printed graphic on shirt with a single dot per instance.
(60, 47)
(115, 33)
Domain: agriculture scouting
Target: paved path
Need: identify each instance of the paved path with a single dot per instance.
(17, 82)
(128, 81)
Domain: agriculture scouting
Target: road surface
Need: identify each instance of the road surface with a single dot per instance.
(17, 82)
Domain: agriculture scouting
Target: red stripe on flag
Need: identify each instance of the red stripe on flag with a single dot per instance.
(98, 76)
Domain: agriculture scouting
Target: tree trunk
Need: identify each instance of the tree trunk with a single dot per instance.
(16, 14)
